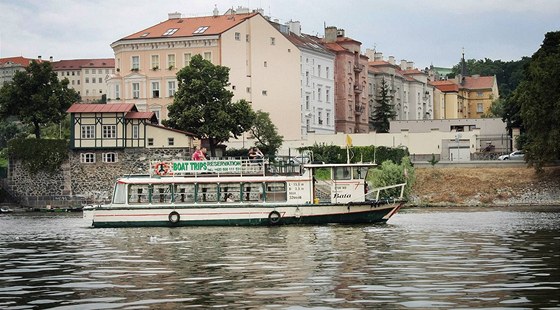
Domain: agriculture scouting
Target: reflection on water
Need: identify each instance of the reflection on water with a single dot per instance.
(424, 258)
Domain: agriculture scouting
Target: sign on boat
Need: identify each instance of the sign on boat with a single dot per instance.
(246, 192)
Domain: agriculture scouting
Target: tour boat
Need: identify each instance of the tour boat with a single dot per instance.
(246, 193)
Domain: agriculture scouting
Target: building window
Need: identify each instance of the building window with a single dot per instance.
(319, 70)
(187, 58)
(264, 93)
(170, 141)
(135, 63)
(237, 36)
(479, 107)
(109, 131)
(135, 90)
(135, 131)
(208, 56)
(87, 71)
(109, 157)
(170, 31)
(100, 80)
(150, 141)
(171, 61)
(155, 89)
(248, 90)
(320, 117)
(265, 64)
(87, 131)
(117, 91)
(307, 78)
(155, 62)
(328, 118)
(327, 95)
(87, 158)
(479, 94)
(307, 102)
(272, 41)
(87, 80)
(319, 91)
(93, 80)
(200, 29)
(170, 88)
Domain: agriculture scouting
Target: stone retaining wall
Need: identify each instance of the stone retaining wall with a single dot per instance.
(77, 182)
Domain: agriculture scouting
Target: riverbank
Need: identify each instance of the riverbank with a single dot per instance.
(492, 186)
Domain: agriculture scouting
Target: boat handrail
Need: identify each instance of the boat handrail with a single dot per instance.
(378, 190)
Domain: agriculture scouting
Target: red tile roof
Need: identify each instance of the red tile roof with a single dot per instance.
(172, 129)
(446, 86)
(76, 64)
(479, 82)
(186, 27)
(17, 60)
(101, 108)
(139, 115)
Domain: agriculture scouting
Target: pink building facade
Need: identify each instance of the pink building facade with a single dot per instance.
(350, 72)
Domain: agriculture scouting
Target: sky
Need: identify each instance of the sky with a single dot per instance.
(426, 32)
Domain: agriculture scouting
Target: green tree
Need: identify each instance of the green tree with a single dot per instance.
(384, 111)
(266, 134)
(539, 99)
(203, 106)
(37, 97)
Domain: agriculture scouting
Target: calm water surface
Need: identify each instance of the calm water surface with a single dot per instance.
(423, 258)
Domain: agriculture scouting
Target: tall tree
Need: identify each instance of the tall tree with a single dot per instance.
(383, 111)
(37, 97)
(539, 99)
(266, 133)
(203, 106)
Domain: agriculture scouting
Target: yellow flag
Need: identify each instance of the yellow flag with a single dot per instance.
(348, 140)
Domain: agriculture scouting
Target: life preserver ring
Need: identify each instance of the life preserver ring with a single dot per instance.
(274, 217)
(174, 217)
(161, 168)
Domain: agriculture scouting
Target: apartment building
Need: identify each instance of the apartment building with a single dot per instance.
(316, 81)
(465, 97)
(88, 77)
(264, 64)
(351, 102)
(10, 65)
(409, 91)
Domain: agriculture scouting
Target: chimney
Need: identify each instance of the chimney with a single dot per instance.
(330, 34)
(51, 59)
(378, 56)
(403, 64)
(410, 65)
(216, 12)
(340, 33)
(39, 57)
(295, 27)
(392, 60)
(175, 15)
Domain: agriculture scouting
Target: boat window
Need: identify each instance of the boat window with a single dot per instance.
(230, 192)
(119, 196)
(207, 192)
(252, 191)
(341, 173)
(161, 193)
(275, 191)
(360, 172)
(138, 193)
(183, 193)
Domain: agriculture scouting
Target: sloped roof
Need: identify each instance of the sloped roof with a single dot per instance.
(74, 64)
(102, 108)
(479, 82)
(308, 42)
(139, 115)
(191, 27)
(171, 129)
(446, 86)
(17, 60)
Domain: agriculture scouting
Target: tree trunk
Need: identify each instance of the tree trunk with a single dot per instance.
(212, 144)
(37, 130)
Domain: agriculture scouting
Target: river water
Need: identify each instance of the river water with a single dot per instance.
(423, 258)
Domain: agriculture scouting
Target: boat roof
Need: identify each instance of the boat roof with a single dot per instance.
(321, 165)
(209, 179)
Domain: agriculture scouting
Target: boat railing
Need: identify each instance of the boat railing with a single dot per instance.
(375, 193)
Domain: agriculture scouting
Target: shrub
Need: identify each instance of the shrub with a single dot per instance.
(39, 154)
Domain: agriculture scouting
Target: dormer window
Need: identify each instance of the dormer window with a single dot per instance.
(170, 31)
(200, 30)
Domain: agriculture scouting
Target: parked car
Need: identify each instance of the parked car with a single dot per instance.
(512, 156)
